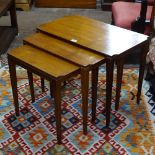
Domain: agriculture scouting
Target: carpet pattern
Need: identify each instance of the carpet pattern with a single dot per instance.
(151, 101)
(33, 132)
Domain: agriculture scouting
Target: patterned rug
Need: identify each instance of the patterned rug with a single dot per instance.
(33, 132)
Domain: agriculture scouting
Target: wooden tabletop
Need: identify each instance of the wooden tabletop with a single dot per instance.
(4, 5)
(94, 35)
(74, 54)
(43, 61)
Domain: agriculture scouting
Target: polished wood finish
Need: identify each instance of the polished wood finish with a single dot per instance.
(110, 41)
(109, 83)
(7, 33)
(13, 77)
(86, 59)
(63, 49)
(84, 90)
(57, 99)
(28, 53)
(94, 92)
(94, 35)
(42, 84)
(120, 64)
(66, 3)
(46, 66)
(30, 78)
(141, 69)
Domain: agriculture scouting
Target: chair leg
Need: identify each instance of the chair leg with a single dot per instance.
(109, 83)
(143, 54)
(13, 78)
(57, 98)
(30, 78)
(120, 64)
(84, 90)
(94, 92)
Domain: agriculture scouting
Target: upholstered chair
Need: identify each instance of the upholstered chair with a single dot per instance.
(133, 15)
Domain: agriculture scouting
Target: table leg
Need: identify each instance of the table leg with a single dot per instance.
(94, 92)
(109, 83)
(30, 78)
(42, 84)
(51, 88)
(120, 64)
(84, 90)
(143, 54)
(57, 99)
(64, 83)
(13, 78)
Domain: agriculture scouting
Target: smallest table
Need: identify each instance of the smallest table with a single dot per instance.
(50, 67)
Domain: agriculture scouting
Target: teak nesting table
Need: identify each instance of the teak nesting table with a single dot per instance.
(110, 41)
(87, 60)
(84, 44)
(37, 60)
(45, 65)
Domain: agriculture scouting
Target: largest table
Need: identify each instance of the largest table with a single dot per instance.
(110, 41)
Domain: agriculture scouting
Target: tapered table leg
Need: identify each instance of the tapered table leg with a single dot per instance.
(84, 90)
(94, 92)
(109, 83)
(42, 84)
(57, 99)
(30, 78)
(120, 64)
(143, 54)
(13, 78)
(51, 89)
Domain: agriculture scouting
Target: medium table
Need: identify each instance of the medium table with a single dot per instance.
(110, 41)
(85, 59)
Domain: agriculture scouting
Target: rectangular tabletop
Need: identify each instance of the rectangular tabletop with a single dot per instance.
(69, 52)
(35, 58)
(94, 35)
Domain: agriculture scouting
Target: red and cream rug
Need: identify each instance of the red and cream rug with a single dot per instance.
(33, 132)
